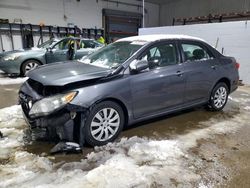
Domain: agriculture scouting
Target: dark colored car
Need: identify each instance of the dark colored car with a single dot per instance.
(131, 80)
(21, 61)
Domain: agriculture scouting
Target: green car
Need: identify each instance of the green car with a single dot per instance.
(19, 62)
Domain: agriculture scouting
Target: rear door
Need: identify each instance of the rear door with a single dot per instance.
(161, 87)
(200, 67)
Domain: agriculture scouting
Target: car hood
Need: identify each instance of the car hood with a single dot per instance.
(63, 73)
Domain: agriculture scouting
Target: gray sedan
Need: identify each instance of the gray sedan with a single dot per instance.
(134, 79)
(19, 62)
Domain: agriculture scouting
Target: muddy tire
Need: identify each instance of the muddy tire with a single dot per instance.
(104, 123)
(218, 98)
(28, 66)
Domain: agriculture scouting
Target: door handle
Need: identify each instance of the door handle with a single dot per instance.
(214, 67)
(179, 73)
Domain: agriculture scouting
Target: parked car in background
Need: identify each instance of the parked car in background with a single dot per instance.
(19, 62)
(131, 80)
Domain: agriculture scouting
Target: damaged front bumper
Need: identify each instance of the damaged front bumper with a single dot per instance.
(57, 126)
(61, 125)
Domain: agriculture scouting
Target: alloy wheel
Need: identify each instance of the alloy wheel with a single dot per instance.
(105, 124)
(220, 97)
(30, 66)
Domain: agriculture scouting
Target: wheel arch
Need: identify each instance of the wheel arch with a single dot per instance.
(226, 81)
(21, 67)
(210, 105)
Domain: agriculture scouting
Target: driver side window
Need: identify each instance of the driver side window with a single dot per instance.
(63, 45)
(161, 55)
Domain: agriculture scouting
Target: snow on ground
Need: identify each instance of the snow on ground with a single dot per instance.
(134, 162)
(10, 81)
(240, 100)
(11, 125)
(247, 108)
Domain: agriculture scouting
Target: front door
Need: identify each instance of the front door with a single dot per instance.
(60, 51)
(161, 87)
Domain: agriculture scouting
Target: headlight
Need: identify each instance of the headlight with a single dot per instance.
(11, 57)
(48, 105)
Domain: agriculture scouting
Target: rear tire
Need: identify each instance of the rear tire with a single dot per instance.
(104, 123)
(28, 66)
(218, 98)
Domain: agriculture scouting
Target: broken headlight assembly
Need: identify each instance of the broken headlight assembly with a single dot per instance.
(50, 104)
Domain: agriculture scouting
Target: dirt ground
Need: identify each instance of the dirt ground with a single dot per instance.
(227, 157)
(221, 159)
(8, 95)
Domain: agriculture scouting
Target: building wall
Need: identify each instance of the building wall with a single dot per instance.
(193, 8)
(230, 37)
(86, 13)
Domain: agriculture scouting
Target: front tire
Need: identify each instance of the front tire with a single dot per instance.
(104, 123)
(218, 98)
(28, 66)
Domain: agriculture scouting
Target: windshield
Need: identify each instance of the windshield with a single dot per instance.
(48, 43)
(113, 55)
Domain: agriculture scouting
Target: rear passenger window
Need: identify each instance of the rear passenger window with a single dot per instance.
(161, 55)
(193, 52)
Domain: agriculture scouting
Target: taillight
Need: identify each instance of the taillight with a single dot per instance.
(237, 65)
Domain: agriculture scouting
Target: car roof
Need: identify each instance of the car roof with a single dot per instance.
(152, 38)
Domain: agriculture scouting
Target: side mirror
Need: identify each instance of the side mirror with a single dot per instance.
(138, 65)
(49, 49)
(154, 62)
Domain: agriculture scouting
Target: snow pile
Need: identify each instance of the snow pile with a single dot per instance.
(134, 162)
(247, 108)
(25, 168)
(11, 125)
(131, 162)
(10, 81)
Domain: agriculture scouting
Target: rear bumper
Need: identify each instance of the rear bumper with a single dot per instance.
(234, 85)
